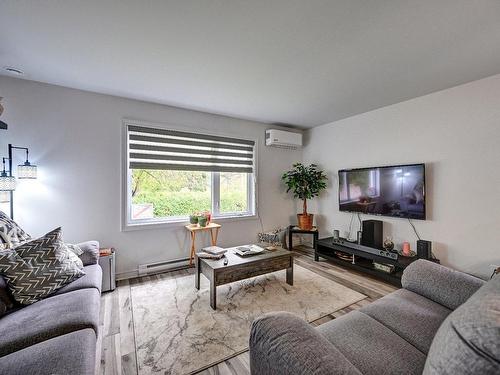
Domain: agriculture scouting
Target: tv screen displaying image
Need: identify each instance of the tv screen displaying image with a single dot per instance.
(397, 191)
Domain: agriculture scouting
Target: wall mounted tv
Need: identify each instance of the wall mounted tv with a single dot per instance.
(397, 191)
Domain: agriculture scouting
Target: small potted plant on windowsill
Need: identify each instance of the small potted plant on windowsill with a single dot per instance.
(305, 182)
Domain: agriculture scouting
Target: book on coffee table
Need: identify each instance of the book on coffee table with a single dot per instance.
(205, 255)
(248, 250)
(216, 250)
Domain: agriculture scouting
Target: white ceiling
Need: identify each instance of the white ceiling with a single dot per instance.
(299, 62)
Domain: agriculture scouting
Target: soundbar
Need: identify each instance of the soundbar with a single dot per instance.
(371, 250)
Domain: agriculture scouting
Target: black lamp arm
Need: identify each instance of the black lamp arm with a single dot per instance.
(3, 162)
(21, 148)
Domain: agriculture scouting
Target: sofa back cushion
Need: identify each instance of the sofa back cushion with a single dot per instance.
(468, 341)
(440, 284)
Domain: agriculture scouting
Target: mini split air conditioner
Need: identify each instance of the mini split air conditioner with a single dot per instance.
(283, 139)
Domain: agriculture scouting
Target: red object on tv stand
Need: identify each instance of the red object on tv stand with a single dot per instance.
(406, 248)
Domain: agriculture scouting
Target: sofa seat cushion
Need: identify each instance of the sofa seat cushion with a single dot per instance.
(468, 341)
(371, 347)
(409, 315)
(91, 279)
(73, 353)
(48, 318)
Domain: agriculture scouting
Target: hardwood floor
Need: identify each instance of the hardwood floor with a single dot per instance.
(117, 338)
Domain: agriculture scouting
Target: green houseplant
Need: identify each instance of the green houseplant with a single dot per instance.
(305, 182)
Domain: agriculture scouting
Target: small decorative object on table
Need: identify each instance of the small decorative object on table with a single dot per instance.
(193, 219)
(406, 249)
(388, 244)
(202, 221)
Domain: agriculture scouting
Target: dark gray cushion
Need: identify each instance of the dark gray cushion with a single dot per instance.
(411, 316)
(73, 353)
(441, 284)
(371, 347)
(48, 318)
(468, 341)
(91, 279)
(282, 343)
(90, 252)
(38, 268)
(6, 300)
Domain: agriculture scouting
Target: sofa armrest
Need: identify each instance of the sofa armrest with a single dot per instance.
(90, 252)
(440, 284)
(282, 343)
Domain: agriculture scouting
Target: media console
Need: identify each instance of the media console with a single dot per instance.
(363, 258)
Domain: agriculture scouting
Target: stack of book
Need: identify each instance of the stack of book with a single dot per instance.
(211, 252)
(245, 251)
(106, 251)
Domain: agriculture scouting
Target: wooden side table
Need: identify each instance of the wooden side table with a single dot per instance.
(193, 228)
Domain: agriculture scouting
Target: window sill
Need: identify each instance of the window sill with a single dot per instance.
(172, 224)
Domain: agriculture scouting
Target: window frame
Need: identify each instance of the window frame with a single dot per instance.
(127, 224)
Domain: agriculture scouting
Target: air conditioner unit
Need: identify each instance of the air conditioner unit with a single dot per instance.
(283, 139)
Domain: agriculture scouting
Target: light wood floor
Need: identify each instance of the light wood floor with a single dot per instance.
(117, 344)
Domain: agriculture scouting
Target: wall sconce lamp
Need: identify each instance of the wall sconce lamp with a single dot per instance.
(8, 181)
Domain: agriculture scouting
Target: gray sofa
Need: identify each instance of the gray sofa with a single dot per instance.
(441, 322)
(58, 334)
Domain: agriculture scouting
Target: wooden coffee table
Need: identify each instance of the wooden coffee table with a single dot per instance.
(239, 268)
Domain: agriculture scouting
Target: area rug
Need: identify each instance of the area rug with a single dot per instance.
(178, 333)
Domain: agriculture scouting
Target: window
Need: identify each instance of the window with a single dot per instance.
(172, 174)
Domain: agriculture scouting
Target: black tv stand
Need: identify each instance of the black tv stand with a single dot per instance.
(363, 260)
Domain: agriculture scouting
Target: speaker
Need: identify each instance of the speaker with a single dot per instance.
(373, 233)
(424, 249)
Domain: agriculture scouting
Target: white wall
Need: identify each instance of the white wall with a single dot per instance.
(456, 132)
(75, 139)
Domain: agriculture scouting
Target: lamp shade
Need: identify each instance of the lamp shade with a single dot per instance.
(7, 183)
(26, 170)
(4, 196)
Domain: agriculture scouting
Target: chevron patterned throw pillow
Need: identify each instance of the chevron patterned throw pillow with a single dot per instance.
(11, 233)
(38, 268)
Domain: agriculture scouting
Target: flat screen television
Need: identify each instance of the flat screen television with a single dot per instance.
(396, 191)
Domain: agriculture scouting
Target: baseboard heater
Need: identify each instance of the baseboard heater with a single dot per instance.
(157, 267)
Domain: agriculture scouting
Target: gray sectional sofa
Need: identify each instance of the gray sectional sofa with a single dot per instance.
(441, 322)
(58, 334)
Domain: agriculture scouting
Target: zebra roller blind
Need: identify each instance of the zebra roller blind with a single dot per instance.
(152, 148)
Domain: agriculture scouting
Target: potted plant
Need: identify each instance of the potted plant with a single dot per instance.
(305, 182)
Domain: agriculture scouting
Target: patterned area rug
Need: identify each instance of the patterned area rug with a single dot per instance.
(178, 333)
